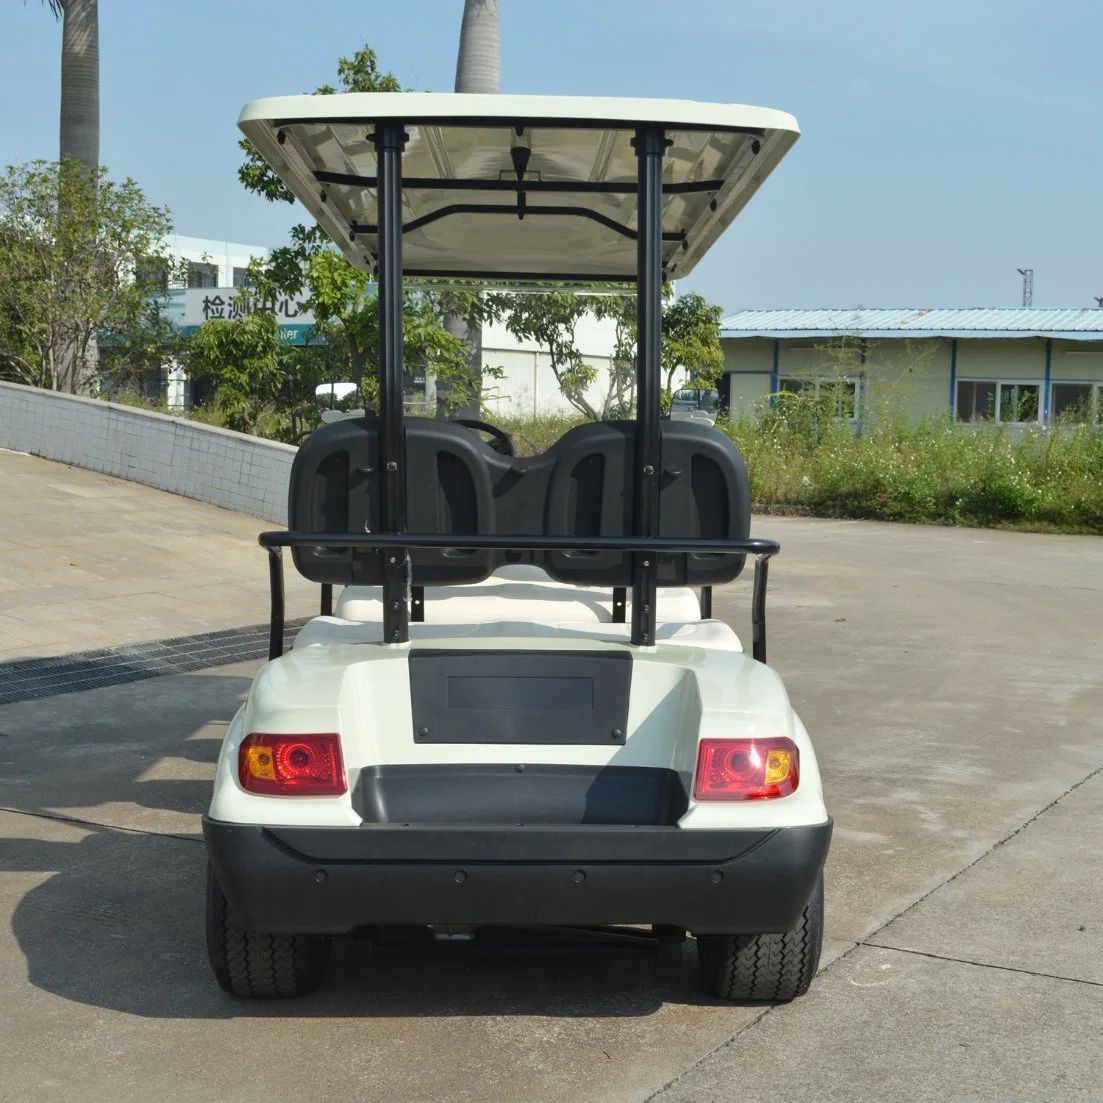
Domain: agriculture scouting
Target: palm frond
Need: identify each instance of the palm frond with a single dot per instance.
(56, 6)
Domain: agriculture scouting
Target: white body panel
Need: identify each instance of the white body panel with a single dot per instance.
(695, 683)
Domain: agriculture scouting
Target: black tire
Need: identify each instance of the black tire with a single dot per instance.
(260, 966)
(772, 967)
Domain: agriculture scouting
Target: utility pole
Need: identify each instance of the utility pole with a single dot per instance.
(1028, 285)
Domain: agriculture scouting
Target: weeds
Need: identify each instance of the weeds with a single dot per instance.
(533, 435)
(927, 471)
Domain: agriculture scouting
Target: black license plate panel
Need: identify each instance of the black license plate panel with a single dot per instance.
(547, 698)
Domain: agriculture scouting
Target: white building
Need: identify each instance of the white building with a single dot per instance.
(214, 264)
(1010, 365)
(529, 387)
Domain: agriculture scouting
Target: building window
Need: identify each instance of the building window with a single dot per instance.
(976, 401)
(1005, 402)
(845, 394)
(241, 277)
(1020, 403)
(1075, 403)
(202, 275)
(152, 276)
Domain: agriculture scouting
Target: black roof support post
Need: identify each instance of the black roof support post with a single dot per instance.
(650, 143)
(390, 140)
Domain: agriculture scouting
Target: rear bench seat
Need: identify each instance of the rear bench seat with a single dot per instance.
(517, 591)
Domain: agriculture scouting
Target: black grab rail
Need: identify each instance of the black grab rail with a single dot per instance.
(762, 550)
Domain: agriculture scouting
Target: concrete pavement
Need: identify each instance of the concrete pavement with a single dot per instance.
(90, 561)
(952, 682)
(991, 988)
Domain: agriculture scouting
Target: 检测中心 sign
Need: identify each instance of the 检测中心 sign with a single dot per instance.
(189, 309)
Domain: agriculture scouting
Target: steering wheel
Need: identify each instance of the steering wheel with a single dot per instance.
(502, 442)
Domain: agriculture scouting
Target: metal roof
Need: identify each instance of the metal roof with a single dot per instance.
(1085, 324)
(479, 169)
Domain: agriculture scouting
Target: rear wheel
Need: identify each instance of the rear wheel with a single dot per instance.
(774, 967)
(260, 966)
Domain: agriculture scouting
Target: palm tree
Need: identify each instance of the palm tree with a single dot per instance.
(479, 66)
(79, 132)
(478, 69)
(80, 80)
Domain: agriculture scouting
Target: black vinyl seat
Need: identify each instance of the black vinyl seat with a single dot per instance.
(336, 487)
(703, 492)
(457, 484)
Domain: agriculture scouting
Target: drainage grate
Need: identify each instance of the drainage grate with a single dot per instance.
(31, 679)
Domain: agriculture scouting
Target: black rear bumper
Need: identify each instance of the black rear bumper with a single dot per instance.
(324, 880)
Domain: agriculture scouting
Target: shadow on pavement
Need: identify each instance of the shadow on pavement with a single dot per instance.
(118, 920)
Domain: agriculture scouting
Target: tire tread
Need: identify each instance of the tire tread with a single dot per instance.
(255, 965)
(771, 967)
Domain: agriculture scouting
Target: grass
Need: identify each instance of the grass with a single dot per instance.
(923, 471)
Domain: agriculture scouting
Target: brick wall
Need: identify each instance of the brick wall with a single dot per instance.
(226, 469)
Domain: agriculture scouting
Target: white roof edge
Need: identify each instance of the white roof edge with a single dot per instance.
(1073, 335)
(451, 105)
(1076, 323)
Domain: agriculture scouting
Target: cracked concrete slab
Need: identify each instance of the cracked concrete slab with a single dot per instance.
(1035, 902)
(884, 1025)
(108, 993)
(950, 679)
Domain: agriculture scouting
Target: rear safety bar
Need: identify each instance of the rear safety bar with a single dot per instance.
(275, 542)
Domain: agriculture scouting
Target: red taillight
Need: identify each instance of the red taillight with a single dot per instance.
(746, 769)
(292, 765)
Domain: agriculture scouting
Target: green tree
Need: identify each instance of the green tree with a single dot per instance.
(344, 303)
(80, 80)
(691, 342)
(343, 298)
(76, 253)
(256, 380)
(359, 73)
(550, 319)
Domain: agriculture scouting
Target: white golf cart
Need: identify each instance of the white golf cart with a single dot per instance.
(519, 714)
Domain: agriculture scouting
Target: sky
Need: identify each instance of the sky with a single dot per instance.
(945, 144)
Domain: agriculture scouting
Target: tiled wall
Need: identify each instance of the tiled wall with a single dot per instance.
(226, 469)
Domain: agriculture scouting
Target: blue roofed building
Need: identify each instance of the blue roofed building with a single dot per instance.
(1015, 365)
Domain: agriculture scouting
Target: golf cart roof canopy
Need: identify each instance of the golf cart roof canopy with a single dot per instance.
(519, 187)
